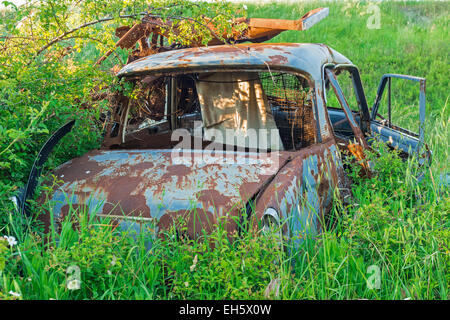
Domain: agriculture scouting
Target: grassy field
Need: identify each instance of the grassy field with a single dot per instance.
(397, 228)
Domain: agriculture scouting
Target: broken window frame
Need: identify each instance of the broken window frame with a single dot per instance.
(386, 79)
(358, 91)
(355, 126)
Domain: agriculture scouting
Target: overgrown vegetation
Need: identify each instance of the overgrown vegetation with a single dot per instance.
(396, 224)
(48, 50)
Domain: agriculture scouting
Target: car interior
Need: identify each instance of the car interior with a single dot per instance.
(276, 106)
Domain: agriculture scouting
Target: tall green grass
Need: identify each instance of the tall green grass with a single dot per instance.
(396, 225)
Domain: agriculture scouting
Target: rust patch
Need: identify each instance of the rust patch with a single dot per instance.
(278, 59)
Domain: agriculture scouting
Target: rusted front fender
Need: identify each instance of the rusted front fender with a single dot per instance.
(302, 191)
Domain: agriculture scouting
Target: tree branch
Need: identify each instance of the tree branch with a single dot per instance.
(65, 34)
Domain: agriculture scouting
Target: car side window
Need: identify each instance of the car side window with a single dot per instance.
(345, 79)
(147, 104)
(344, 122)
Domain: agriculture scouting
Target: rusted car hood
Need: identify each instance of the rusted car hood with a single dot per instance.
(152, 184)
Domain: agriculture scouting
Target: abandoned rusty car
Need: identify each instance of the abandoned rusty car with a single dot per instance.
(229, 132)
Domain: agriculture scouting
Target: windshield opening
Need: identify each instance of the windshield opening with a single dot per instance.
(247, 110)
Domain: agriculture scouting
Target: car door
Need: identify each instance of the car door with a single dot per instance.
(347, 128)
(385, 128)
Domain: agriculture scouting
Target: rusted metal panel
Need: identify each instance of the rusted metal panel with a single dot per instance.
(303, 57)
(149, 190)
(314, 16)
(255, 30)
(304, 23)
(160, 186)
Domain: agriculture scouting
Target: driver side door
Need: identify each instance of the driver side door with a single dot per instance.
(386, 115)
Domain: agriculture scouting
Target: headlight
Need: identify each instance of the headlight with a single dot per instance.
(271, 225)
(270, 220)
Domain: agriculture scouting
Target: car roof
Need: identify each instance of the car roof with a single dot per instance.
(304, 57)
